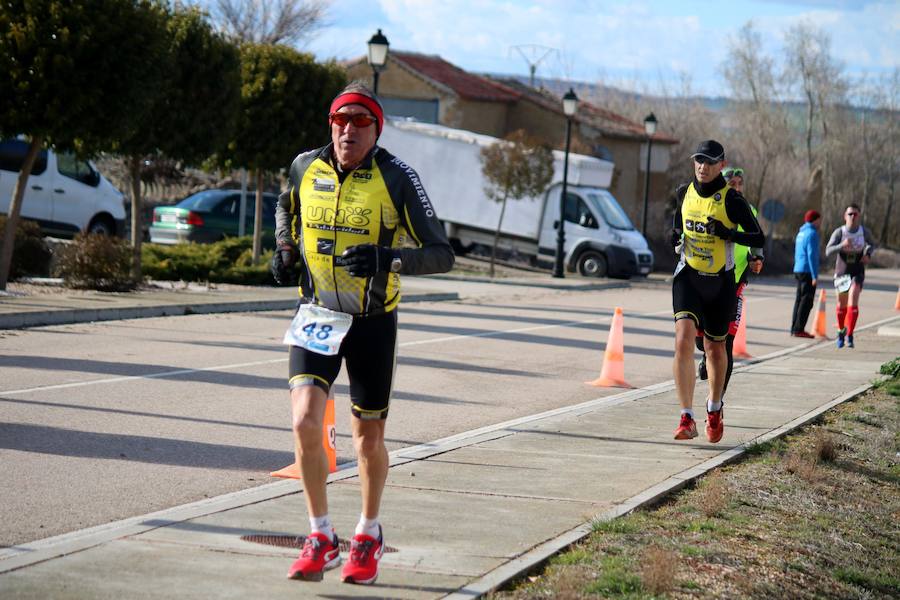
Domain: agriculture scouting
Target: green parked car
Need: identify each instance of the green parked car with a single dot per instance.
(210, 216)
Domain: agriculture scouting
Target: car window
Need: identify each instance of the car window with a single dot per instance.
(204, 201)
(578, 212)
(229, 206)
(12, 155)
(79, 170)
(269, 202)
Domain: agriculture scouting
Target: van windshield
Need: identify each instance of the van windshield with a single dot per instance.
(609, 209)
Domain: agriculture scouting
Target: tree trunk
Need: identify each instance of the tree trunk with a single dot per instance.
(137, 230)
(809, 127)
(867, 171)
(15, 207)
(890, 199)
(257, 218)
(497, 233)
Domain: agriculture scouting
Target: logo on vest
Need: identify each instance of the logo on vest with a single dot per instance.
(717, 197)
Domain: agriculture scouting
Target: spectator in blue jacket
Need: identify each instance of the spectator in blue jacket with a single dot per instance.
(806, 271)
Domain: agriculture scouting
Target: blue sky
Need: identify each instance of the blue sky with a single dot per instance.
(630, 44)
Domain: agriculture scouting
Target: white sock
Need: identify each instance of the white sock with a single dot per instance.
(713, 406)
(688, 411)
(368, 526)
(322, 525)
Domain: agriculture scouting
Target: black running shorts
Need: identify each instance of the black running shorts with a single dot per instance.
(369, 351)
(709, 300)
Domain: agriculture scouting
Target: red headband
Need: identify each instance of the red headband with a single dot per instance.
(355, 98)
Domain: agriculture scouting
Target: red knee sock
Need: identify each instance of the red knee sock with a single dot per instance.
(851, 319)
(841, 313)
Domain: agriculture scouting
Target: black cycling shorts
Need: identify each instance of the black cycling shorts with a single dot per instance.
(369, 351)
(710, 300)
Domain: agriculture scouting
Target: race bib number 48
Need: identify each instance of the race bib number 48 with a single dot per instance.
(318, 329)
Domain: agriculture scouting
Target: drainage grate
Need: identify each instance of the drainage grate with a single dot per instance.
(294, 541)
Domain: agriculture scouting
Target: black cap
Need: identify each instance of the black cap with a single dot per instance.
(710, 149)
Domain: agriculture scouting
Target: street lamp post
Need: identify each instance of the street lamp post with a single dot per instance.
(649, 129)
(570, 103)
(378, 51)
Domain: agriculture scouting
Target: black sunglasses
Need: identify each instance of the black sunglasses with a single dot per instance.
(358, 120)
(705, 160)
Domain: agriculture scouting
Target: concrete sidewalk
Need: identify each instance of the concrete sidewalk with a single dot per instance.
(462, 514)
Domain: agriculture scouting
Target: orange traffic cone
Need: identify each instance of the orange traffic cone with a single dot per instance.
(897, 302)
(821, 327)
(329, 436)
(613, 372)
(739, 350)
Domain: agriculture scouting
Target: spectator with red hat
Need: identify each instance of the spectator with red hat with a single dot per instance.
(353, 219)
(806, 271)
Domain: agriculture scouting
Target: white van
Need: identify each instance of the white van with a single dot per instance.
(64, 194)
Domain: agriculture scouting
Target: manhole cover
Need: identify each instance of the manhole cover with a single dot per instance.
(294, 541)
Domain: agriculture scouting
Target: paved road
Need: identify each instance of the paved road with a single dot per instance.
(109, 420)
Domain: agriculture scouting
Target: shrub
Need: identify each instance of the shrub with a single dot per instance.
(226, 261)
(31, 255)
(98, 262)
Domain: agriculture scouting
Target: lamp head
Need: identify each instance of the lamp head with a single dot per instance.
(378, 50)
(570, 102)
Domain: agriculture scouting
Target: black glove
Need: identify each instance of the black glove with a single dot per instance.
(366, 260)
(283, 260)
(717, 228)
(675, 237)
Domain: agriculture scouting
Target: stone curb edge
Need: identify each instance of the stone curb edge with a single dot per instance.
(524, 563)
(66, 317)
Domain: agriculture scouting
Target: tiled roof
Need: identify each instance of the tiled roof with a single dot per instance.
(608, 122)
(467, 85)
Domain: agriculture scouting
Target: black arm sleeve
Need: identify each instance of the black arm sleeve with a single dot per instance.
(678, 198)
(739, 212)
(434, 254)
(287, 210)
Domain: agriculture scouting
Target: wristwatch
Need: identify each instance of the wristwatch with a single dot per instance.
(396, 264)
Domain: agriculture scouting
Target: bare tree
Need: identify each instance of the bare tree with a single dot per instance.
(758, 119)
(824, 87)
(270, 21)
(516, 168)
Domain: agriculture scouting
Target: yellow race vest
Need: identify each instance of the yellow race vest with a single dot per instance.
(336, 216)
(704, 252)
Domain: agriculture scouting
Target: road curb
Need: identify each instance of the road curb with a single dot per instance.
(42, 318)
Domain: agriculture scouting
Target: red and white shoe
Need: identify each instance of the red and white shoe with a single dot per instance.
(687, 428)
(317, 556)
(715, 424)
(365, 552)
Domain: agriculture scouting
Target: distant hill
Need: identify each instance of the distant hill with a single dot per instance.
(797, 110)
(561, 86)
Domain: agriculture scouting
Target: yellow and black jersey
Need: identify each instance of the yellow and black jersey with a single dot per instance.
(382, 202)
(705, 253)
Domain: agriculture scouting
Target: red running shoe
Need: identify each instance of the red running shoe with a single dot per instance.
(365, 552)
(687, 428)
(715, 425)
(317, 556)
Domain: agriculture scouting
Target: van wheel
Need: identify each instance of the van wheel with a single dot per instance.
(592, 264)
(102, 226)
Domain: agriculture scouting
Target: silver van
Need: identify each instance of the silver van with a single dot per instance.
(64, 194)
